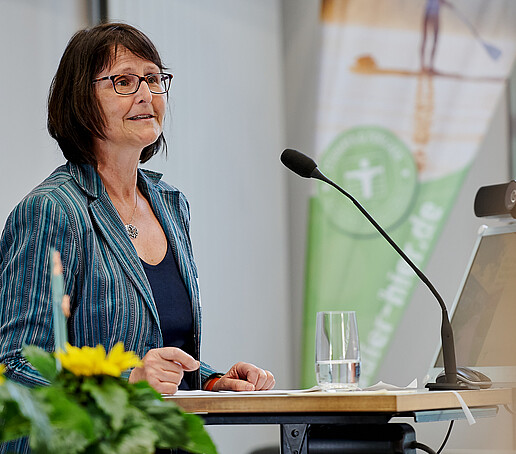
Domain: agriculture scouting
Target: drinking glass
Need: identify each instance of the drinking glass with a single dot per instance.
(337, 350)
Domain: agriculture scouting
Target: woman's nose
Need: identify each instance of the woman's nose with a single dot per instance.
(143, 93)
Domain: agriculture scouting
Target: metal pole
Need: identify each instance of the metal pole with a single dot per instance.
(98, 11)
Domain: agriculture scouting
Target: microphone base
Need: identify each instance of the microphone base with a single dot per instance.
(450, 386)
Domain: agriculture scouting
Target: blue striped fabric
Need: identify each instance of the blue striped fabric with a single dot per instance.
(111, 299)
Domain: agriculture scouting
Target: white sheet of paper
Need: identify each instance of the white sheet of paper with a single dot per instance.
(378, 387)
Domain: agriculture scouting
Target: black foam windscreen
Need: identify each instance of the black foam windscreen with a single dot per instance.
(298, 162)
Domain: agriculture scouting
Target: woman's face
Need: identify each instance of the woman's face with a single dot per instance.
(132, 121)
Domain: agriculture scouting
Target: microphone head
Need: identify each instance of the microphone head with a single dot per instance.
(298, 162)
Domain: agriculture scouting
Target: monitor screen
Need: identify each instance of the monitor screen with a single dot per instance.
(484, 313)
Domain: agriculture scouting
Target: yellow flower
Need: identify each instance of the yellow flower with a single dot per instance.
(93, 361)
(2, 370)
(121, 359)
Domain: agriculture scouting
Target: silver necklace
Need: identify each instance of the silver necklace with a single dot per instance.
(131, 229)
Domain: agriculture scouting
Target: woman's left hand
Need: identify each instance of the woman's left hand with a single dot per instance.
(245, 377)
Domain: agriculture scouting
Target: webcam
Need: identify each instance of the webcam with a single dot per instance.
(498, 200)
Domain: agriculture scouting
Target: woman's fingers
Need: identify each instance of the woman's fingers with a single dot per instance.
(163, 368)
(245, 377)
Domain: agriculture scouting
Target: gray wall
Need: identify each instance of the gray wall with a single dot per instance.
(33, 36)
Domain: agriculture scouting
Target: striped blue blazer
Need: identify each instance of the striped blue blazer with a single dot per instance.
(111, 298)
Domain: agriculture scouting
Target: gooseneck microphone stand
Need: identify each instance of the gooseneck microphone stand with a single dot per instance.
(307, 168)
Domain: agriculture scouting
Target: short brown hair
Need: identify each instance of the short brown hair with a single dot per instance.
(74, 114)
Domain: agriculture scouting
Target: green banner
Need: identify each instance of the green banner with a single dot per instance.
(350, 266)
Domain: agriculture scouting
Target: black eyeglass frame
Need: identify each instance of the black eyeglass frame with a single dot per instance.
(140, 80)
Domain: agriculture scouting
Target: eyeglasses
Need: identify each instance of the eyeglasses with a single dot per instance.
(127, 84)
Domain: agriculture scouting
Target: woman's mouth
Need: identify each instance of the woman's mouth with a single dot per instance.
(141, 117)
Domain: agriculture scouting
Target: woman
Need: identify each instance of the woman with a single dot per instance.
(123, 234)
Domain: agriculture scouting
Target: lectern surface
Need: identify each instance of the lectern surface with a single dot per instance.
(318, 422)
(351, 402)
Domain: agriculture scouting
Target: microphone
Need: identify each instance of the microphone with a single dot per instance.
(306, 167)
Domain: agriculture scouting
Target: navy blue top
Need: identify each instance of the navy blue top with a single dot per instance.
(173, 304)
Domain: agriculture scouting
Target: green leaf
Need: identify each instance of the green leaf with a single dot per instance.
(110, 396)
(69, 442)
(136, 437)
(165, 416)
(42, 360)
(14, 424)
(175, 428)
(30, 409)
(199, 440)
(64, 412)
(141, 390)
(142, 394)
(72, 429)
(169, 423)
(4, 394)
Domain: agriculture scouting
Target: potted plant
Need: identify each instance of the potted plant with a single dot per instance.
(88, 407)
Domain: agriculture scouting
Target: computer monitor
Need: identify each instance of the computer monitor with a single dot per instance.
(483, 315)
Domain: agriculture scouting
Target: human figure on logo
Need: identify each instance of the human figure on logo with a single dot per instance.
(431, 20)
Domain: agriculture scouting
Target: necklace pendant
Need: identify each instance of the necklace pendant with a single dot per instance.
(132, 231)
